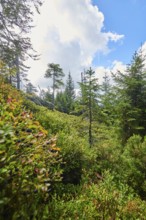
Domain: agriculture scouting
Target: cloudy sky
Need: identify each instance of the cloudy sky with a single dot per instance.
(78, 34)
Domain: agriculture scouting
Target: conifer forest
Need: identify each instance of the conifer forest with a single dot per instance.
(68, 153)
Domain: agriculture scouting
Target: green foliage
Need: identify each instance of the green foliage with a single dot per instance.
(55, 72)
(108, 150)
(85, 187)
(131, 92)
(15, 45)
(64, 101)
(7, 72)
(72, 138)
(48, 171)
(89, 88)
(134, 164)
(38, 101)
(29, 161)
(108, 101)
(47, 96)
(75, 155)
(30, 88)
(70, 94)
(61, 102)
(104, 200)
(56, 122)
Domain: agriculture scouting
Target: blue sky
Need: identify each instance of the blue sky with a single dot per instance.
(77, 34)
(125, 17)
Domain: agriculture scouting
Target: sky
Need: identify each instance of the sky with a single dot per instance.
(77, 34)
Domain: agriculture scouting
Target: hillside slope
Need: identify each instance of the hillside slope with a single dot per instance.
(48, 171)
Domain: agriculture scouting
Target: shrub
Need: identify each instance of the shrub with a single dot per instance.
(134, 164)
(105, 200)
(29, 161)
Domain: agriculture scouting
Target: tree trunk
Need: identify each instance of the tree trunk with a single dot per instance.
(90, 128)
(90, 118)
(18, 72)
(53, 94)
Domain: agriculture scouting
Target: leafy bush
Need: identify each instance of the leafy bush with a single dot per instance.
(72, 139)
(29, 161)
(134, 164)
(48, 171)
(76, 155)
(105, 200)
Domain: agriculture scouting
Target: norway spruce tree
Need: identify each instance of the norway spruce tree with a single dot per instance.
(55, 72)
(61, 102)
(131, 93)
(15, 45)
(89, 87)
(69, 93)
(64, 100)
(107, 102)
(30, 88)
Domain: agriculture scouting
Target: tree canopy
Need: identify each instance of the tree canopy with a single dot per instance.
(16, 19)
(55, 72)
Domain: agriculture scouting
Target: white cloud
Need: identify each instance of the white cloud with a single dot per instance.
(143, 49)
(116, 66)
(68, 32)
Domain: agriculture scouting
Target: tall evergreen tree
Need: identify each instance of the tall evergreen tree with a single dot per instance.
(15, 24)
(30, 88)
(89, 88)
(131, 91)
(70, 93)
(48, 95)
(55, 72)
(107, 101)
(105, 84)
(61, 102)
(64, 101)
